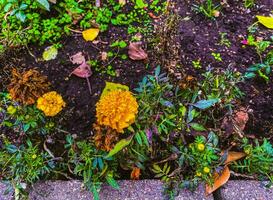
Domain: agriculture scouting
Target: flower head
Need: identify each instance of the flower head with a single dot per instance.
(50, 103)
(117, 109)
(11, 110)
(206, 170)
(200, 147)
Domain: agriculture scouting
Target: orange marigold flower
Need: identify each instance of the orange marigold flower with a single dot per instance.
(135, 173)
(117, 109)
(50, 103)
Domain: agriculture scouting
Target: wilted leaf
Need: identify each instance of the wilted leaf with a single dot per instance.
(241, 118)
(50, 53)
(204, 104)
(136, 52)
(135, 173)
(122, 2)
(219, 180)
(119, 146)
(77, 58)
(266, 21)
(233, 156)
(90, 34)
(113, 86)
(83, 71)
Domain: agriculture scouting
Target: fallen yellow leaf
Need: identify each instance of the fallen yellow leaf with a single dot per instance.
(90, 34)
(266, 21)
(219, 180)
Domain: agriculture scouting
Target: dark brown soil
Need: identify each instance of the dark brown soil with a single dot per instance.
(199, 37)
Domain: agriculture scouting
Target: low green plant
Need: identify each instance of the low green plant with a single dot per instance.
(207, 8)
(264, 67)
(22, 166)
(259, 160)
(224, 40)
(85, 161)
(217, 56)
(197, 64)
(249, 3)
(26, 119)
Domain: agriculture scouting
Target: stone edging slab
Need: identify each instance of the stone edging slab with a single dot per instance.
(142, 190)
(130, 190)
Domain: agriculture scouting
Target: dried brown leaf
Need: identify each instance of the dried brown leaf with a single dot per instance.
(136, 52)
(219, 180)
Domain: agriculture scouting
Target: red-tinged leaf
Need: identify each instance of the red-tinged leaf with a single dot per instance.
(241, 118)
(152, 15)
(83, 71)
(136, 52)
(219, 180)
(135, 173)
(77, 58)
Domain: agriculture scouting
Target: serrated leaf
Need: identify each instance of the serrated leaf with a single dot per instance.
(266, 21)
(50, 53)
(90, 34)
(44, 4)
(156, 167)
(119, 146)
(204, 104)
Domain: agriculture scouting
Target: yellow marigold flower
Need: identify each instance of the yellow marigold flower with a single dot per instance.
(200, 147)
(198, 174)
(206, 170)
(117, 109)
(11, 110)
(50, 103)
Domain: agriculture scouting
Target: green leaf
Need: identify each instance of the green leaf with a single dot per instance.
(141, 4)
(7, 7)
(113, 86)
(21, 16)
(204, 104)
(249, 75)
(112, 182)
(144, 137)
(138, 138)
(197, 127)
(119, 146)
(50, 53)
(44, 4)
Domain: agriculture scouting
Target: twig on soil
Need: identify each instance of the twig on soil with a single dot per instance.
(89, 86)
(31, 54)
(242, 175)
(64, 174)
(47, 150)
(112, 59)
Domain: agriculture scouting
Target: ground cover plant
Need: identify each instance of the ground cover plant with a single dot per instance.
(179, 91)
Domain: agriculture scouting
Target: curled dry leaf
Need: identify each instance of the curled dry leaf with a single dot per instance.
(241, 118)
(103, 56)
(219, 180)
(135, 173)
(83, 71)
(77, 58)
(136, 52)
(233, 156)
(236, 122)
